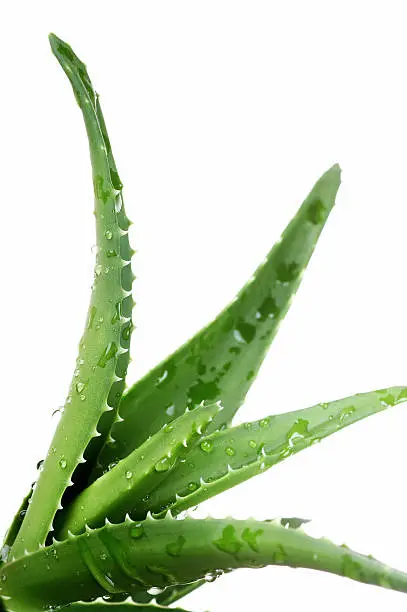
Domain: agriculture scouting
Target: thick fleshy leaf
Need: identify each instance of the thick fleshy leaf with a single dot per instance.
(120, 558)
(221, 361)
(98, 380)
(126, 484)
(226, 458)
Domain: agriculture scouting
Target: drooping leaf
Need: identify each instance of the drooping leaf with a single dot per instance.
(120, 558)
(229, 457)
(221, 361)
(126, 484)
(101, 366)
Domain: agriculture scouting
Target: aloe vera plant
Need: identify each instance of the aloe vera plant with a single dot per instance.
(101, 529)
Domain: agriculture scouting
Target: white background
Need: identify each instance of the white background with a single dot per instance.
(222, 115)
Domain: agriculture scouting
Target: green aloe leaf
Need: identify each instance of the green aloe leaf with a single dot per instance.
(158, 553)
(101, 366)
(229, 457)
(126, 484)
(221, 361)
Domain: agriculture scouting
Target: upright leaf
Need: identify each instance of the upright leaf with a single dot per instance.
(101, 366)
(222, 360)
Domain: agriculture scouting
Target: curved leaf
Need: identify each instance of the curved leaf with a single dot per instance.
(101, 366)
(226, 458)
(120, 558)
(221, 361)
(129, 482)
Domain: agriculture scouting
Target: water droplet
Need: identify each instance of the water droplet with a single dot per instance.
(98, 270)
(111, 253)
(244, 332)
(108, 234)
(230, 451)
(5, 553)
(118, 203)
(346, 413)
(108, 353)
(170, 410)
(156, 590)
(168, 428)
(315, 213)
(267, 309)
(229, 542)
(82, 397)
(63, 463)
(76, 372)
(137, 531)
(212, 576)
(128, 475)
(79, 387)
(265, 422)
(252, 443)
(297, 432)
(192, 486)
(161, 379)
(287, 272)
(103, 556)
(207, 446)
(40, 464)
(164, 464)
(250, 537)
(174, 548)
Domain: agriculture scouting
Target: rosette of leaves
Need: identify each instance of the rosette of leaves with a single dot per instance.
(102, 527)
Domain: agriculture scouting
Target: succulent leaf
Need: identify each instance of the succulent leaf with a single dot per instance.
(229, 457)
(221, 361)
(158, 553)
(101, 366)
(129, 482)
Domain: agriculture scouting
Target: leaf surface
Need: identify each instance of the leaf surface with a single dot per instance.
(222, 360)
(229, 457)
(159, 553)
(101, 366)
(124, 487)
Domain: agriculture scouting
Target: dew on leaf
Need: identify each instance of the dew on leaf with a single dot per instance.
(250, 537)
(346, 413)
(297, 432)
(174, 548)
(170, 410)
(108, 354)
(164, 464)
(229, 542)
(207, 446)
